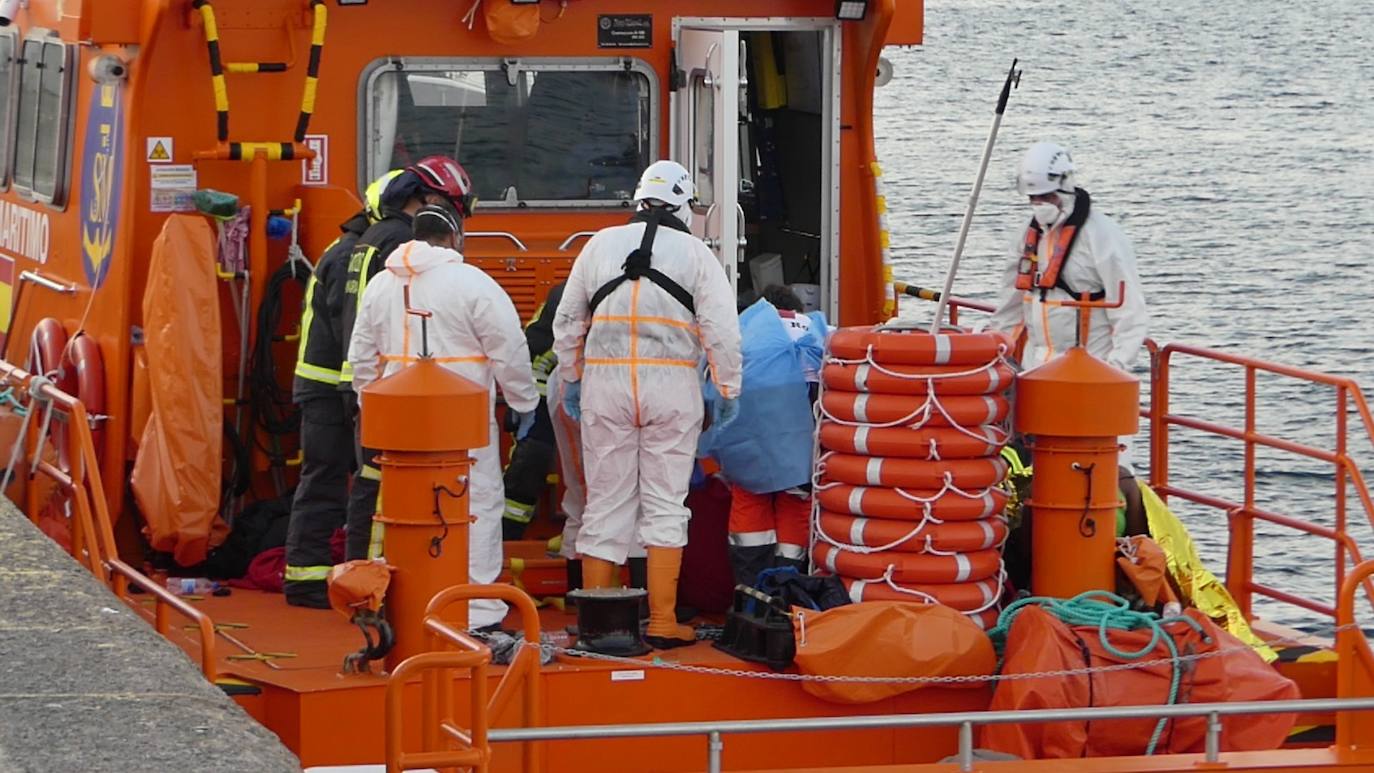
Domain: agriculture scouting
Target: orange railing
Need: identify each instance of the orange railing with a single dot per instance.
(93, 542)
(1354, 661)
(1242, 515)
(452, 650)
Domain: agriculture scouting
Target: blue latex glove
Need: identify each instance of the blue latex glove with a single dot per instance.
(726, 411)
(572, 400)
(524, 425)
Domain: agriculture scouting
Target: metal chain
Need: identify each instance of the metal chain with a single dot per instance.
(659, 663)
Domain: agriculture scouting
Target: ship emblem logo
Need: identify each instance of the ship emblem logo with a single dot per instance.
(102, 180)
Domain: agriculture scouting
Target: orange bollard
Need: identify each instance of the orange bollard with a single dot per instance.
(423, 419)
(1075, 406)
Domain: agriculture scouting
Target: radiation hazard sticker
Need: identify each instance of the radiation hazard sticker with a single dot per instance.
(159, 150)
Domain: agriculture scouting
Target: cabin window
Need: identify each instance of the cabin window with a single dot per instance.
(529, 132)
(7, 46)
(40, 134)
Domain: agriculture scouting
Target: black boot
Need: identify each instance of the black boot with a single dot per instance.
(747, 561)
(639, 578)
(574, 569)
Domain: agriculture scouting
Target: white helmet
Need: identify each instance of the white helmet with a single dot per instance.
(668, 182)
(1046, 168)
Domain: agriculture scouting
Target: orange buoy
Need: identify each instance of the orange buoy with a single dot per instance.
(909, 567)
(83, 358)
(964, 596)
(935, 411)
(917, 347)
(909, 443)
(940, 505)
(912, 425)
(918, 379)
(967, 474)
(902, 537)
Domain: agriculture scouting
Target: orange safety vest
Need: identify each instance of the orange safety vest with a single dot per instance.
(1049, 277)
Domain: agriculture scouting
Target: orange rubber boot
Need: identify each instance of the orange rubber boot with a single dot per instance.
(664, 632)
(597, 573)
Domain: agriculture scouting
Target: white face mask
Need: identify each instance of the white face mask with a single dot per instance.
(1046, 214)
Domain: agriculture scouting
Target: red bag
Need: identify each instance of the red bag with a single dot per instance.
(1039, 641)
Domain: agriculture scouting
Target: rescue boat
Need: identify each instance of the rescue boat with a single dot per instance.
(148, 350)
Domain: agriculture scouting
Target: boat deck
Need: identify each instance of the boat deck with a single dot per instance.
(282, 664)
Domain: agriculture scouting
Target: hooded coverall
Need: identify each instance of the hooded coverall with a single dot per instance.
(1101, 259)
(476, 333)
(641, 400)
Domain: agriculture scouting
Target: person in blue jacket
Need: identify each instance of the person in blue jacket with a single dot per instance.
(767, 452)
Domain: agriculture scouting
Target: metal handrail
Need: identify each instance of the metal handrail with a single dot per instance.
(436, 687)
(93, 542)
(966, 720)
(574, 237)
(1242, 515)
(498, 235)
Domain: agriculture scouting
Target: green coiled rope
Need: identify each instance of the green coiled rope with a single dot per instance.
(1107, 612)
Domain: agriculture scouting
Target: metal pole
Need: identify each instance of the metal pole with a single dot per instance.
(1213, 737)
(1013, 79)
(966, 747)
(714, 746)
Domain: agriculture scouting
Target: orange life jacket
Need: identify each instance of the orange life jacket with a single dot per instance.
(1050, 275)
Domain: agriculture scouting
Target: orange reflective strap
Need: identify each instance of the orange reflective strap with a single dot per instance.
(408, 359)
(640, 362)
(635, 320)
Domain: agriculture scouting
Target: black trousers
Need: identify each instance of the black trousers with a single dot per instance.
(321, 498)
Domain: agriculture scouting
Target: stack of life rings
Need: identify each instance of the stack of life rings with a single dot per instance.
(908, 481)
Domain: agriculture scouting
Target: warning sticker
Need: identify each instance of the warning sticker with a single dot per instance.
(315, 171)
(159, 150)
(171, 188)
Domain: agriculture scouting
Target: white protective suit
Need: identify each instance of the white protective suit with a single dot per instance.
(476, 333)
(568, 435)
(1102, 258)
(641, 399)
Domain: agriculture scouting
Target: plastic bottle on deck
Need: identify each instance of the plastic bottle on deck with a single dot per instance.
(191, 586)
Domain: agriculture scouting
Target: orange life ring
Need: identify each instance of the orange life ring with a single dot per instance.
(907, 568)
(964, 410)
(47, 346)
(960, 536)
(917, 347)
(913, 473)
(88, 368)
(963, 596)
(919, 379)
(909, 443)
(900, 504)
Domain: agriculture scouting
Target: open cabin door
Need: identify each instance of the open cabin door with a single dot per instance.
(706, 138)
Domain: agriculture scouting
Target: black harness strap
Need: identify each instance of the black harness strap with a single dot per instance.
(637, 265)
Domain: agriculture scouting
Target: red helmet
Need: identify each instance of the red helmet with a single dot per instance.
(447, 177)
